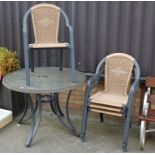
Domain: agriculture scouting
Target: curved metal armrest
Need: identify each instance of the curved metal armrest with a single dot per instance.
(134, 87)
(99, 70)
(69, 27)
(93, 81)
(25, 33)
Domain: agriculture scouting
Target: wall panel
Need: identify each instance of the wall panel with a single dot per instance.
(100, 28)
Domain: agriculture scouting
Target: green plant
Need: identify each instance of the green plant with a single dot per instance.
(9, 61)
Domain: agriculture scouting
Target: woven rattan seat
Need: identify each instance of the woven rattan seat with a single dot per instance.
(53, 45)
(108, 103)
(104, 99)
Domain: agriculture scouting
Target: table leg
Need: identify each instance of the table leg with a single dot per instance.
(61, 60)
(25, 111)
(69, 124)
(56, 96)
(52, 106)
(36, 116)
(23, 115)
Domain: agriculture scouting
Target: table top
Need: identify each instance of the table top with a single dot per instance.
(44, 80)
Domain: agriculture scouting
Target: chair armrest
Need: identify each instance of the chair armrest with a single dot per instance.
(25, 32)
(93, 81)
(134, 87)
(66, 18)
(69, 27)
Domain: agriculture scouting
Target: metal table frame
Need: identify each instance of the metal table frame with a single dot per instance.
(42, 96)
(36, 110)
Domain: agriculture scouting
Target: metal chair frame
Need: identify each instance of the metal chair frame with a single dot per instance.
(27, 48)
(91, 83)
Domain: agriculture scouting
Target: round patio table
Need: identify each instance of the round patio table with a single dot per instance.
(46, 83)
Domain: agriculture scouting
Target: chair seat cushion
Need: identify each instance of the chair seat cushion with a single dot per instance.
(112, 104)
(52, 45)
(109, 99)
(5, 117)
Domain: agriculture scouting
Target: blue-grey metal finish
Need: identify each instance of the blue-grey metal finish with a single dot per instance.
(56, 99)
(24, 112)
(71, 37)
(91, 83)
(69, 126)
(27, 49)
(132, 92)
(67, 115)
(36, 116)
(61, 59)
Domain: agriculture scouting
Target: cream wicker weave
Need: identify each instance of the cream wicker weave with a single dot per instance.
(45, 19)
(116, 98)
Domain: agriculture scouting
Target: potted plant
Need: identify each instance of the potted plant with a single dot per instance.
(10, 100)
(9, 61)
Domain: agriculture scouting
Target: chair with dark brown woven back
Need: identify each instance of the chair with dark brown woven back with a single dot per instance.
(148, 111)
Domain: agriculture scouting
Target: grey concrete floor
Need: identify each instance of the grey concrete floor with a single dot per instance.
(52, 137)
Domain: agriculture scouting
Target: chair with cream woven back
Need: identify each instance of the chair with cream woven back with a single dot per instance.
(119, 89)
(45, 21)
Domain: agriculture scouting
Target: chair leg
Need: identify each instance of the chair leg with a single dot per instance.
(101, 117)
(61, 60)
(130, 124)
(127, 125)
(31, 59)
(26, 60)
(84, 124)
(73, 74)
(85, 113)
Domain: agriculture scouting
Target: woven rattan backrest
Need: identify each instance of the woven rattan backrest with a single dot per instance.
(118, 73)
(45, 20)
